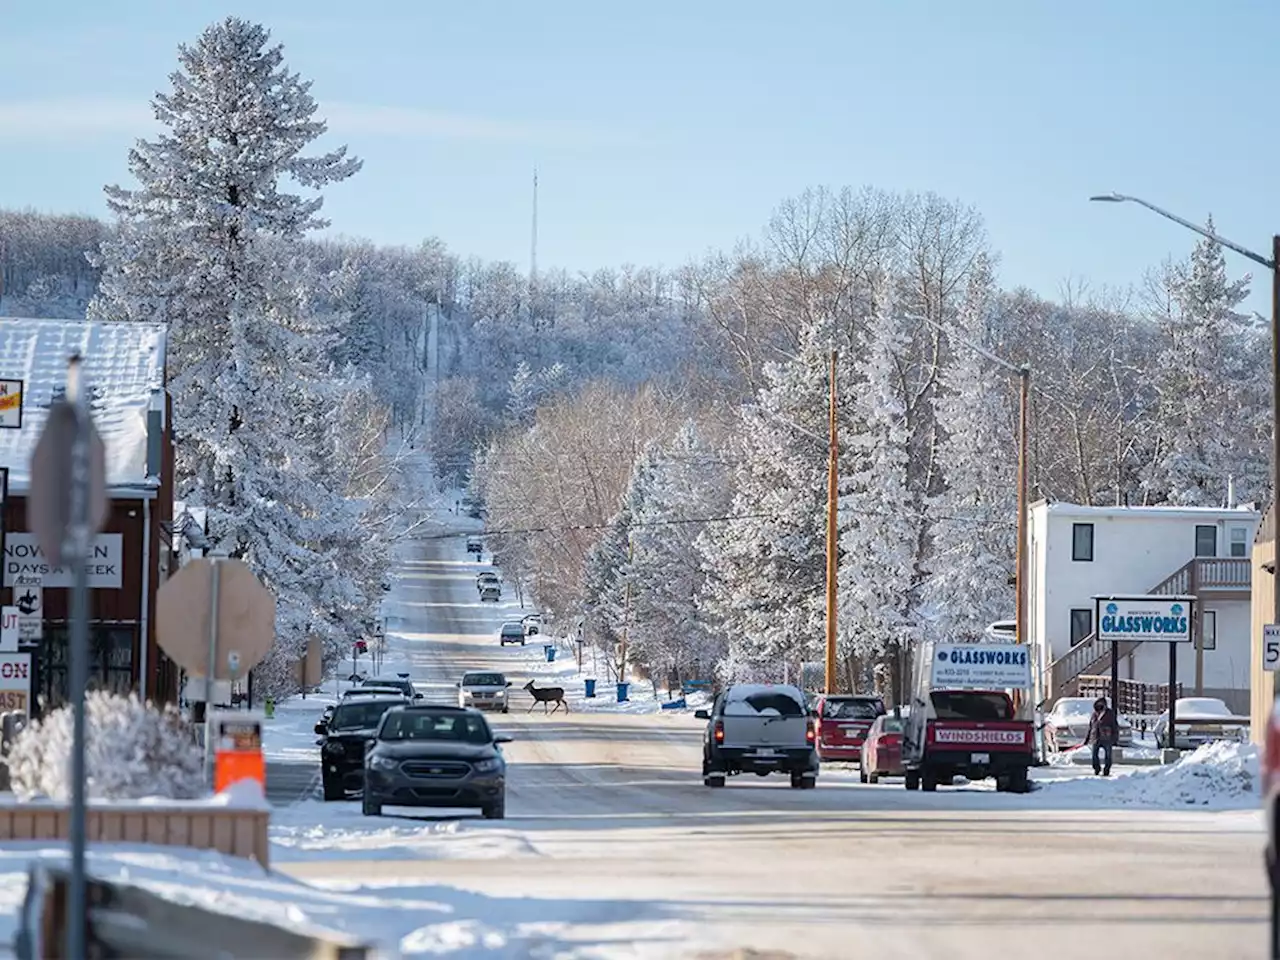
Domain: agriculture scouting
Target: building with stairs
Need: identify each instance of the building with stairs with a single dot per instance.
(1078, 553)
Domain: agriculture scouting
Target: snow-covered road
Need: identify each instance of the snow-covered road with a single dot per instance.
(613, 847)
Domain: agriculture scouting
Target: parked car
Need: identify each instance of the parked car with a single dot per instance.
(842, 724)
(512, 632)
(435, 756)
(475, 545)
(400, 682)
(1067, 724)
(761, 729)
(490, 592)
(484, 690)
(881, 751)
(1206, 719)
(344, 738)
(971, 732)
(532, 624)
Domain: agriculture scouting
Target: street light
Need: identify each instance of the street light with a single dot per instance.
(1272, 265)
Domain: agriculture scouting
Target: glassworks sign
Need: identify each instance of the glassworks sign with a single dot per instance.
(24, 558)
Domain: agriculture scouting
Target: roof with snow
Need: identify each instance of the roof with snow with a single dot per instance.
(123, 368)
(1079, 510)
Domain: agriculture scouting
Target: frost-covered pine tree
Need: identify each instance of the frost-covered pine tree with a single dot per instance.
(766, 571)
(682, 482)
(205, 245)
(1198, 424)
(877, 524)
(605, 600)
(976, 516)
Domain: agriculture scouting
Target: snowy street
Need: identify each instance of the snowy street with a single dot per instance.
(613, 846)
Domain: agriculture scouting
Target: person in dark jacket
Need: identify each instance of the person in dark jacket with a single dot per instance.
(1104, 734)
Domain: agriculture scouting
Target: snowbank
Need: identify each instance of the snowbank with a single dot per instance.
(1223, 775)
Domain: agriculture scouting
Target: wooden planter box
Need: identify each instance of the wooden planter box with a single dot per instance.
(235, 831)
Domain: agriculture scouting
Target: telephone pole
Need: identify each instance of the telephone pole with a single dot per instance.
(833, 497)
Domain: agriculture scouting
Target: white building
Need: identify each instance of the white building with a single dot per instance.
(1077, 553)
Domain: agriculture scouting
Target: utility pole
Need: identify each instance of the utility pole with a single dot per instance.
(833, 498)
(626, 614)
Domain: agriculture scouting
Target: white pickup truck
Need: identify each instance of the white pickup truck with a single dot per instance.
(759, 728)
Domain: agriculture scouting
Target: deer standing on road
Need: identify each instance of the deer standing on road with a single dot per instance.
(547, 695)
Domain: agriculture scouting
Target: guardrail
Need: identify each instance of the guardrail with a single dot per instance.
(124, 920)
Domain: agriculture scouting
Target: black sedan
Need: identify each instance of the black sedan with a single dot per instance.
(345, 735)
(435, 756)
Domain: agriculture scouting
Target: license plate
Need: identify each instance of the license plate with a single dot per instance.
(766, 752)
(980, 758)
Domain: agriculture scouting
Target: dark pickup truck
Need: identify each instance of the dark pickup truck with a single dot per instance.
(344, 737)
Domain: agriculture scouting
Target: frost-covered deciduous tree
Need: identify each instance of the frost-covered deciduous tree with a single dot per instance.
(132, 750)
(975, 517)
(878, 525)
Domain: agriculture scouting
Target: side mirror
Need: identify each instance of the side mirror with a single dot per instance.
(702, 714)
(322, 728)
(501, 738)
(508, 683)
(458, 684)
(417, 696)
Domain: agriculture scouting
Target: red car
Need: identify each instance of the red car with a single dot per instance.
(882, 750)
(842, 722)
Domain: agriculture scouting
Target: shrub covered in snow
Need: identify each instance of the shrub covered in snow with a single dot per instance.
(132, 750)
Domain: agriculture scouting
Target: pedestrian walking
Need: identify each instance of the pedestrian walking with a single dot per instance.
(1104, 733)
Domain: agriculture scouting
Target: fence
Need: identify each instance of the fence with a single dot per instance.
(1136, 698)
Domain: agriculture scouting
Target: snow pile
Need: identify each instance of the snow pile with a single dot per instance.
(132, 750)
(1221, 774)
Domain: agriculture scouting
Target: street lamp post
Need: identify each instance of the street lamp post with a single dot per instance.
(1272, 264)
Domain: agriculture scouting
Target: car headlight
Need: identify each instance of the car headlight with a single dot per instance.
(383, 763)
(488, 766)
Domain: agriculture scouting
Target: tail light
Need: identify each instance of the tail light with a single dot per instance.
(719, 731)
(810, 732)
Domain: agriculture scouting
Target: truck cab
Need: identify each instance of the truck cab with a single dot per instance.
(963, 718)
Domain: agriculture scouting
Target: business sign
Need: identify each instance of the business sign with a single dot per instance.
(15, 682)
(10, 404)
(1271, 646)
(1140, 619)
(982, 666)
(24, 558)
(8, 629)
(28, 597)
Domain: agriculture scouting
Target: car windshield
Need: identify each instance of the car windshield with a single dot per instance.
(1073, 708)
(355, 716)
(852, 709)
(892, 725)
(512, 628)
(419, 725)
(401, 685)
(483, 680)
(765, 702)
(966, 705)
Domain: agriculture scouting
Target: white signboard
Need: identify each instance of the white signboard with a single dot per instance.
(1145, 618)
(24, 558)
(15, 682)
(1271, 646)
(28, 597)
(10, 404)
(982, 666)
(8, 629)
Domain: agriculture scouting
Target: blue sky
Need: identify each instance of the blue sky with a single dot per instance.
(663, 129)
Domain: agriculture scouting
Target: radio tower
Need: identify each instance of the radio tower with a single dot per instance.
(533, 246)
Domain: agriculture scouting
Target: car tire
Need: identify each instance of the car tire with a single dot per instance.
(873, 778)
(506, 709)
(370, 807)
(797, 781)
(495, 811)
(1018, 782)
(928, 781)
(912, 780)
(333, 789)
(862, 775)
(713, 779)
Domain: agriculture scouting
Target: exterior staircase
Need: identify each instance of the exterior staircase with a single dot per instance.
(1202, 578)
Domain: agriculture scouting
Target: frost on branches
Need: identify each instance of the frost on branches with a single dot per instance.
(132, 750)
(877, 522)
(976, 516)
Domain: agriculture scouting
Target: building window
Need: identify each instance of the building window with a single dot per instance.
(1206, 540)
(1082, 541)
(1209, 631)
(1239, 542)
(1081, 624)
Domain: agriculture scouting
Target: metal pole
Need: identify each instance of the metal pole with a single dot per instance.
(1173, 696)
(1024, 376)
(833, 498)
(215, 584)
(77, 907)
